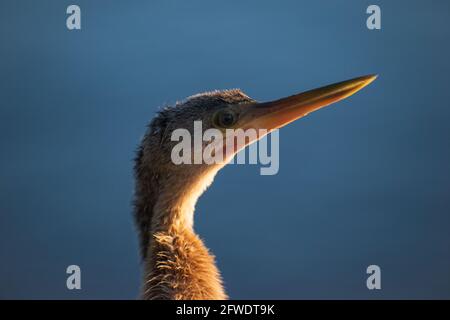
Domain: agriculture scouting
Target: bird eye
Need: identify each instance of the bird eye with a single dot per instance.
(225, 119)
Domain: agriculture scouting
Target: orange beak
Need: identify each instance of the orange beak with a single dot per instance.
(276, 114)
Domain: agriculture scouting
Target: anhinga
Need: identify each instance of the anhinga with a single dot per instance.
(177, 265)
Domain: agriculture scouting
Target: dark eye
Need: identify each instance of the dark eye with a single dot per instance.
(225, 118)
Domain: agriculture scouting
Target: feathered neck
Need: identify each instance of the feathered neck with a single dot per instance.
(177, 265)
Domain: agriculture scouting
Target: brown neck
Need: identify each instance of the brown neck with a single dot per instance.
(177, 263)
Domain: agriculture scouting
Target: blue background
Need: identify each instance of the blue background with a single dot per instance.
(364, 182)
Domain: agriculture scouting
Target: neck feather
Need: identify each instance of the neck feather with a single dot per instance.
(177, 263)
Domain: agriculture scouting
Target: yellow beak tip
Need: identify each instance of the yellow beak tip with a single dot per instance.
(361, 82)
(370, 78)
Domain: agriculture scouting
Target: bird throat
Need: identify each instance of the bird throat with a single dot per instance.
(178, 265)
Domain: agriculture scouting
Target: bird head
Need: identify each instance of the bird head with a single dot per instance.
(224, 110)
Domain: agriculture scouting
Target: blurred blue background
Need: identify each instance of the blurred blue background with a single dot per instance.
(364, 182)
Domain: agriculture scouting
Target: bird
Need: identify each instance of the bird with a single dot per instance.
(176, 263)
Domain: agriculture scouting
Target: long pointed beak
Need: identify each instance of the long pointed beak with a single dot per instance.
(276, 114)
